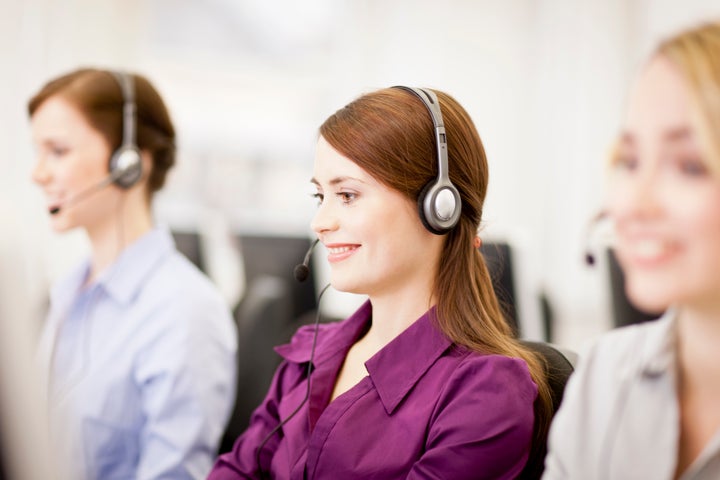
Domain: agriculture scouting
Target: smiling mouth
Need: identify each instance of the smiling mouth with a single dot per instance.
(339, 253)
(648, 252)
(339, 250)
(649, 248)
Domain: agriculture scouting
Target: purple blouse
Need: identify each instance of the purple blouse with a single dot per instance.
(427, 409)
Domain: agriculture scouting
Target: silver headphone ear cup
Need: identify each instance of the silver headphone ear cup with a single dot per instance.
(126, 167)
(425, 218)
(439, 207)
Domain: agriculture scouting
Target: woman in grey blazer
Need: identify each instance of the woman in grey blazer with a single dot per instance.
(645, 402)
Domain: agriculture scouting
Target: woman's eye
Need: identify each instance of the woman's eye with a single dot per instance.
(347, 197)
(58, 151)
(693, 167)
(318, 197)
(626, 162)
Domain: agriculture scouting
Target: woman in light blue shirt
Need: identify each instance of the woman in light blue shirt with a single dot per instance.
(645, 402)
(138, 345)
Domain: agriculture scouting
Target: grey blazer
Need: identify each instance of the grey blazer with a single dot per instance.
(620, 416)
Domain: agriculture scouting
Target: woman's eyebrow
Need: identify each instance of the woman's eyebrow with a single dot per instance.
(674, 134)
(678, 134)
(337, 180)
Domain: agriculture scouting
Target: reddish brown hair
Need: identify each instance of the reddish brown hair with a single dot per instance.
(389, 133)
(98, 96)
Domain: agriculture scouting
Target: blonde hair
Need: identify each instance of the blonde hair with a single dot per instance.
(696, 53)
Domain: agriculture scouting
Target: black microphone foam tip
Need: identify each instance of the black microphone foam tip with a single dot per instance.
(301, 272)
(590, 259)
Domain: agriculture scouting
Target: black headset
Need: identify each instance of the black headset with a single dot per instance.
(125, 162)
(439, 203)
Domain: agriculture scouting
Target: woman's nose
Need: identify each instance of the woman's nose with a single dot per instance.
(325, 220)
(644, 198)
(40, 173)
(640, 196)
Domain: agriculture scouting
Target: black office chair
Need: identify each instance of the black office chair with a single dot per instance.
(498, 258)
(274, 307)
(559, 365)
(624, 312)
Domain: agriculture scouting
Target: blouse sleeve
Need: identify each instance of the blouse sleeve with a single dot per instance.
(482, 426)
(186, 376)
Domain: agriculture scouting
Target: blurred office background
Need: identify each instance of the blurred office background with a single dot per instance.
(249, 81)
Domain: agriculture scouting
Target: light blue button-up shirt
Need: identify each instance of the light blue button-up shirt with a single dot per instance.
(141, 366)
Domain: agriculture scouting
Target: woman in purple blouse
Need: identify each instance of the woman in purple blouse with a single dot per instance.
(425, 380)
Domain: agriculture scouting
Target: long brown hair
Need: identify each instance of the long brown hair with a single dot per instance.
(388, 133)
(98, 97)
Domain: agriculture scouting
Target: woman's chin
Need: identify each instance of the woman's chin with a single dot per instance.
(647, 300)
(345, 286)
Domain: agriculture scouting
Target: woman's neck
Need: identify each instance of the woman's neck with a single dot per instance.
(392, 314)
(698, 340)
(109, 238)
(698, 382)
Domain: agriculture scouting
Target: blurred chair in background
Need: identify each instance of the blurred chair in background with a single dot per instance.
(216, 251)
(559, 365)
(272, 307)
(499, 260)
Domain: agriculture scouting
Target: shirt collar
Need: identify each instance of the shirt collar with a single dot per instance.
(123, 278)
(408, 356)
(331, 338)
(657, 353)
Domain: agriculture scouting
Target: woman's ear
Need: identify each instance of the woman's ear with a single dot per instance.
(147, 164)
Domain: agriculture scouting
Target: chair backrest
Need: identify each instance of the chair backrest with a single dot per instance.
(275, 305)
(559, 365)
(624, 313)
(499, 261)
(263, 320)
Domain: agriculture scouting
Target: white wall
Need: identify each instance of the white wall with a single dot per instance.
(544, 81)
